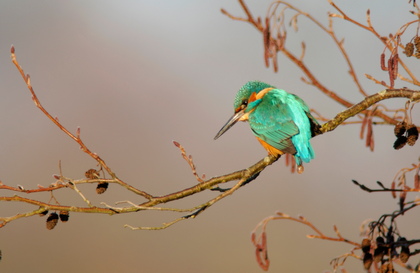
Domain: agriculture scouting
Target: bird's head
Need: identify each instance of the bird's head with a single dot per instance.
(246, 100)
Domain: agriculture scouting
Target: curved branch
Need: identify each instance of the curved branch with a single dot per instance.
(366, 103)
(242, 176)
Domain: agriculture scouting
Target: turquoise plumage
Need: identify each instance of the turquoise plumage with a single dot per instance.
(281, 121)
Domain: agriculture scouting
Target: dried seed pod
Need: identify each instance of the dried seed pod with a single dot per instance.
(404, 254)
(417, 181)
(366, 245)
(64, 216)
(380, 240)
(405, 250)
(380, 250)
(387, 268)
(367, 260)
(417, 43)
(92, 174)
(52, 220)
(400, 142)
(409, 49)
(400, 128)
(412, 134)
(101, 188)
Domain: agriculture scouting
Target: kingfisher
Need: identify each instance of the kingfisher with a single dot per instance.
(282, 122)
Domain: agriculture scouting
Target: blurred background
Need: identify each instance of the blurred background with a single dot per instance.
(136, 75)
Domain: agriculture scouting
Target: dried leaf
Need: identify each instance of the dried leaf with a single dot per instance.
(261, 253)
(395, 66)
(362, 129)
(369, 136)
(417, 180)
(394, 195)
(383, 67)
(391, 72)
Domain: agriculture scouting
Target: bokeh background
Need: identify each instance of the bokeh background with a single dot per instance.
(136, 75)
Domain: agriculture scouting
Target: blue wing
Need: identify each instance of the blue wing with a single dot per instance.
(281, 120)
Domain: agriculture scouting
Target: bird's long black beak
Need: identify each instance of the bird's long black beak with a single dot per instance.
(230, 123)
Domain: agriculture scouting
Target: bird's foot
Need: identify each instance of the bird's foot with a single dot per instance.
(300, 169)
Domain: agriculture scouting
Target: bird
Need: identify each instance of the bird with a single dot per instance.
(281, 121)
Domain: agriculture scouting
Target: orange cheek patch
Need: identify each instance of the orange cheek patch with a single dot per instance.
(262, 93)
(252, 98)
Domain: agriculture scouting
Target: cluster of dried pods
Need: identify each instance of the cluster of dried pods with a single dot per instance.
(52, 219)
(376, 252)
(94, 174)
(413, 48)
(63, 215)
(406, 134)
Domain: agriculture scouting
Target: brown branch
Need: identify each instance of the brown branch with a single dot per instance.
(243, 176)
(208, 184)
(76, 138)
(369, 27)
(366, 103)
(272, 45)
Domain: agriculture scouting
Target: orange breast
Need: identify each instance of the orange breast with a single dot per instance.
(270, 149)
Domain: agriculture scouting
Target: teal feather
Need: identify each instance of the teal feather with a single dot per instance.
(247, 90)
(281, 119)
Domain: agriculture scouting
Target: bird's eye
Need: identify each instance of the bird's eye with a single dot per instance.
(244, 104)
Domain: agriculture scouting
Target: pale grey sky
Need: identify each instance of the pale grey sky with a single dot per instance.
(136, 75)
